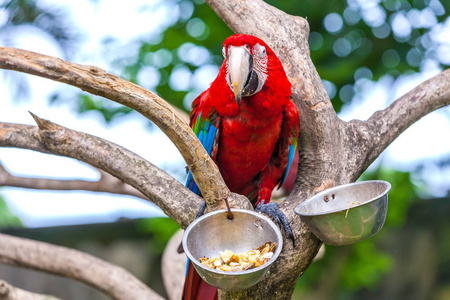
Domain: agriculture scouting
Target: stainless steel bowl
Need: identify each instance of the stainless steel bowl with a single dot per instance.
(347, 213)
(214, 232)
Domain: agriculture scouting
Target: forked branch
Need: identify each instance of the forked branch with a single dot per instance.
(106, 184)
(9, 292)
(99, 82)
(171, 196)
(113, 281)
(386, 125)
(332, 152)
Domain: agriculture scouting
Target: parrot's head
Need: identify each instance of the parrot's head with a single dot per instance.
(248, 60)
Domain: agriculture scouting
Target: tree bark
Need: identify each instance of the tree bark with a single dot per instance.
(106, 184)
(9, 292)
(331, 151)
(385, 126)
(163, 189)
(171, 196)
(114, 281)
(96, 81)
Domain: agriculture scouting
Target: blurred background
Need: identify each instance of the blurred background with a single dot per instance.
(368, 54)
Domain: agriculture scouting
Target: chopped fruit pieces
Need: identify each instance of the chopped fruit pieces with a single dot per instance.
(232, 262)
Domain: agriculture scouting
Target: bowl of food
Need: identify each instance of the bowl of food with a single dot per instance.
(232, 254)
(347, 213)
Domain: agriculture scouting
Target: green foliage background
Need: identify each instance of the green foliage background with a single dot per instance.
(6, 218)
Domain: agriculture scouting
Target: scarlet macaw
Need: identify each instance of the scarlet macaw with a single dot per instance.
(248, 124)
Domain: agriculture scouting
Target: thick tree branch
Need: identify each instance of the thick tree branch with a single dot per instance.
(361, 142)
(106, 184)
(329, 148)
(9, 292)
(98, 82)
(331, 151)
(113, 281)
(327, 144)
(171, 196)
(386, 125)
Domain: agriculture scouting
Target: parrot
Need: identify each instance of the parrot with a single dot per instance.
(249, 126)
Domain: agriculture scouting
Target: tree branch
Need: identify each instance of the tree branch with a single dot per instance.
(113, 281)
(106, 184)
(178, 202)
(386, 125)
(331, 151)
(171, 196)
(328, 147)
(98, 82)
(9, 292)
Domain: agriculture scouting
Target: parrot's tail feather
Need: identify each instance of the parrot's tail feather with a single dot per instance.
(197, 289)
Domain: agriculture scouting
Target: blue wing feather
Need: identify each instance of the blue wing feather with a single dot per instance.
(292, 149)
(290, 159)
(206, 133)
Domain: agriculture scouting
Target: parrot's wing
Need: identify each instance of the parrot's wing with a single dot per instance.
(288, 139)
(204, 123)
(292, 149)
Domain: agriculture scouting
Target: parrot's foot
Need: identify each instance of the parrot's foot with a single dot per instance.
(201, 211)
(272, 210)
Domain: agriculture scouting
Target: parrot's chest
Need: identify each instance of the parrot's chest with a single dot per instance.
(246, 145)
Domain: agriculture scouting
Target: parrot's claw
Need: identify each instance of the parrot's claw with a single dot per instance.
(201, 211)
(272, 210)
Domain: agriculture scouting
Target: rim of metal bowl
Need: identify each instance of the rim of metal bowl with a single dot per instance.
(270, 222)
(330, 190)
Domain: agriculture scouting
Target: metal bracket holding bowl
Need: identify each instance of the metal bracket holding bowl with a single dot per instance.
(348, 213)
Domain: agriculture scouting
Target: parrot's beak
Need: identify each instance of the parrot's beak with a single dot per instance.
(240, 65)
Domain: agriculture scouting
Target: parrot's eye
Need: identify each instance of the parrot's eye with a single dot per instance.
(260, 51)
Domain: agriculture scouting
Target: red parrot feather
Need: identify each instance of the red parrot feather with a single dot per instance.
(247, 122)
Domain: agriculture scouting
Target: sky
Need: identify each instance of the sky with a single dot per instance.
(101, 19)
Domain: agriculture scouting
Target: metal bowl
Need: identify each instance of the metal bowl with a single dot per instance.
(214, 232)
(348, 213)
